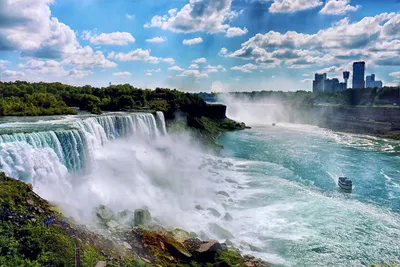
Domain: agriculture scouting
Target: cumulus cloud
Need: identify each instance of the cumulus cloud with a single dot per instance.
(27, 26)
(370, 37)
(194, 66)
(175, 68)
(193, 41)
(338, 7)
(223, 52)
(123, 74)
(210, 16)
(235, 31)
(85, 57)
(291, 6)
(157, 40)
(35, 67)
(214, 69)
(154, 70)
(200, 60)
(114, 38)
(3, 63)
(142, 55)
(247, 68)
(395, 74)
(79, 73)
(194, 73)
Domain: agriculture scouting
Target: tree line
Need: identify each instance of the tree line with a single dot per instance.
(21, 98)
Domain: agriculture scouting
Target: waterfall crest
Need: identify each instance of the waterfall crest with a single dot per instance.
(22, 155)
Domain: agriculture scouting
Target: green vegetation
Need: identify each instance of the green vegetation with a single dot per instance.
(29, 99)
(25, 241)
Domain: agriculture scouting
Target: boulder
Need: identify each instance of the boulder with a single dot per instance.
(181, 235)
(220, 231)
(223, 193)
(142, 217)
(214, 212)
(126, 245)
(203, 251)
(228, 217)
(199, 207)
(104, 213)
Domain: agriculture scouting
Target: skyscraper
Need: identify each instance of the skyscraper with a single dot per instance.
(359, 75)
(346, 76)
(319, 83)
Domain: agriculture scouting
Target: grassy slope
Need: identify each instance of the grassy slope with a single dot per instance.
(24, 241)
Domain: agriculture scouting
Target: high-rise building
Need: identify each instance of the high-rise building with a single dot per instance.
(331, 85)
(319, 83)
(346, 76)
(372, 83)
(358, 75)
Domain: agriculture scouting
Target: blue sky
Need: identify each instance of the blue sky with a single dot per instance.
(198, 45)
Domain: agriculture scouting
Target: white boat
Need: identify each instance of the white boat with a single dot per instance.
(345, 183)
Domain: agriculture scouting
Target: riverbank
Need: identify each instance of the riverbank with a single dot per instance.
(27, 241)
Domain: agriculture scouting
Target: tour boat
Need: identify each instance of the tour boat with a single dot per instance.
(345, 183)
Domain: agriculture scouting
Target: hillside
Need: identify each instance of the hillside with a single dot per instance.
(26, 240)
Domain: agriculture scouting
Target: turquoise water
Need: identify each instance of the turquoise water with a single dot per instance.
(293, 208)
(279, 183)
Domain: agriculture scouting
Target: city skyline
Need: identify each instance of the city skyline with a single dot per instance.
(322, 83)
(203, 45)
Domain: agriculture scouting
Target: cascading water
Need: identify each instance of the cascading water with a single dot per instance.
(72, 147)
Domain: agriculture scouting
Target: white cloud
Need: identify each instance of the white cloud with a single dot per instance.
(79, 73)
(338, 7)
(35, 67)
(111, 55)
(245, 68)
(3, 63)
(123, 74)
(130, 16)
(235, 31)
(157, 40)
(395, 74)
(149, 74)
(12, 75)
(154, 70)
(343, 41)
(85, 57)
(199, 15)
(194, 66)
(175, 68)
(114, 38)
(223, 52)
(211, 70)
(306, 75)
(200, 60)
(291, 6)
(142, 55)
(306, 80)
(194, 73)
(27, 26)
(193, 41)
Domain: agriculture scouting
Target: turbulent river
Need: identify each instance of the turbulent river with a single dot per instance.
(279, 183)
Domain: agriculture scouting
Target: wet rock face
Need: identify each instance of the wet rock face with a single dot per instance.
(203, 251)
(104, 213)
(142, 217)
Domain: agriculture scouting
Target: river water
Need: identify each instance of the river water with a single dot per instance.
(279, 183)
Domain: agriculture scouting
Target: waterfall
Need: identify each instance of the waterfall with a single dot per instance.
(161, 122)
(23, 155)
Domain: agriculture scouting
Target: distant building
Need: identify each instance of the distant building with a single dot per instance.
(372, 83)
(319, 83)
(331, 85)
(346, 76)
(323, 85)
(358, 75)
